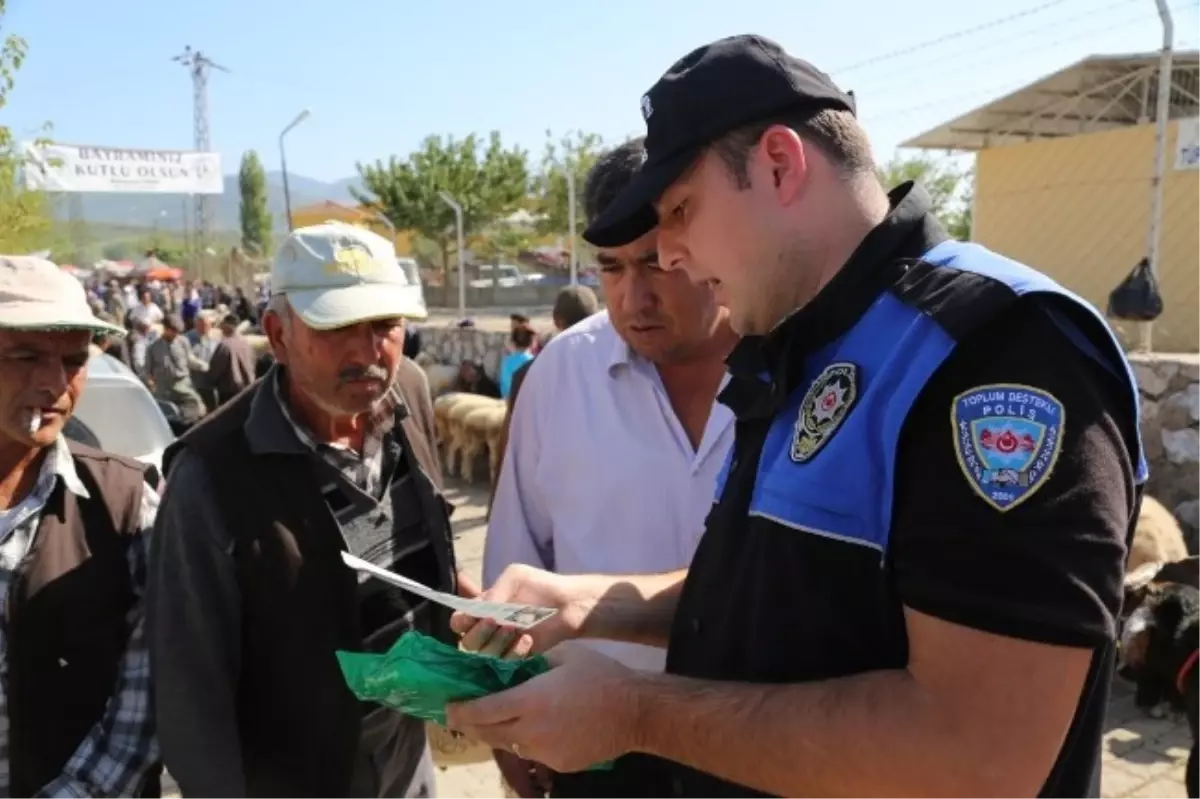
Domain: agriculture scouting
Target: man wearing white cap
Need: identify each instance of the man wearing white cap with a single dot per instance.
(331, 451)
(74, 530)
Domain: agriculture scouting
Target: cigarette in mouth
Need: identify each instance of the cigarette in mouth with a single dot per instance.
(35, 422)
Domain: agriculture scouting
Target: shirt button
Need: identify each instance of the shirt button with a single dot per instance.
(696, 625)
(676, 786)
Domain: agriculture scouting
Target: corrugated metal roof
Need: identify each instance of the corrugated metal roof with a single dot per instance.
(1101, 92)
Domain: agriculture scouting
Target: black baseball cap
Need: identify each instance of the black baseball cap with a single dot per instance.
(710, 91)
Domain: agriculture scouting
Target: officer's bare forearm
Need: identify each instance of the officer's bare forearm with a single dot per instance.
(872, 734)
(637, 609)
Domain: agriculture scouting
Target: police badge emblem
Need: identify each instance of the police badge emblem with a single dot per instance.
(824, 408)
(1007, 438)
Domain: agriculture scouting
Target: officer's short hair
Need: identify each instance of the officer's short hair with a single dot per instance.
(833, 131)
(612, 173)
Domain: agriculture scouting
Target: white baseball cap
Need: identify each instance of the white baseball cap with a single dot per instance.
(336, 275)
(37, 295)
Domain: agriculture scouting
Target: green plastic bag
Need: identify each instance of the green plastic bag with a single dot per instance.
(420, 675)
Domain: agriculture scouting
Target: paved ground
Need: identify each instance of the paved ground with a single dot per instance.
(1143, 757)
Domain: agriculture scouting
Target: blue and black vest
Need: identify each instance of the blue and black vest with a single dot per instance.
(831, 605)
(895, 348)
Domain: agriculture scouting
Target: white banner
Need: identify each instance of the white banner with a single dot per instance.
(70, 168)
(1187, 144)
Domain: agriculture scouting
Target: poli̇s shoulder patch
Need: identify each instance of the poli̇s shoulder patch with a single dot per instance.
(824, 408)
(1007, 438)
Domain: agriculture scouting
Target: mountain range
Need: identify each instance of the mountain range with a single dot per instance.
(166, 211)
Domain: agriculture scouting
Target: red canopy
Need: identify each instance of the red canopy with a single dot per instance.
(163, 272)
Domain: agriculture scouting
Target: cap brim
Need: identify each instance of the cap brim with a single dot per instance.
(631, 215)
(329, 309)
(22, 321)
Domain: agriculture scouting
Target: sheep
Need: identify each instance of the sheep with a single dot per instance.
(457, 437)
(482, 428)
(1157, 537)
(442, 405)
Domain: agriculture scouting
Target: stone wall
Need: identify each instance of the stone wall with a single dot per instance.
(530, 295)
(1170, 411)
(455, 345)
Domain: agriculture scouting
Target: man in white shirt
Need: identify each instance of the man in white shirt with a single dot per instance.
(146, 311)
(615, 443)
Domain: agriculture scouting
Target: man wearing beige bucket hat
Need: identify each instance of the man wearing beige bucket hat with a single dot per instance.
(75, 522)
(332, 450)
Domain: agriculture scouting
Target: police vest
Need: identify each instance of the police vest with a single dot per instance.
(885, 360)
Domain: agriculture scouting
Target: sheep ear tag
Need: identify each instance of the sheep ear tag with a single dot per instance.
(1007, 438)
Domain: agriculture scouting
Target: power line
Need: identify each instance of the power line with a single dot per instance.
(993, 91)
(958, 56)
(949, 37)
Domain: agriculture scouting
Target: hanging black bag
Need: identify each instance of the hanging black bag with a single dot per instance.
(1136, 298)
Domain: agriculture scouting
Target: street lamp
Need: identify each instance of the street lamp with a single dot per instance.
(449, 200)
(287, 196)
(571, 222)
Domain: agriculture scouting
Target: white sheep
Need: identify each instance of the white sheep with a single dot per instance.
(481, 428)
(457, 436)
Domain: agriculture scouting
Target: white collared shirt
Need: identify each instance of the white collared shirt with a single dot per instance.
(599, 475)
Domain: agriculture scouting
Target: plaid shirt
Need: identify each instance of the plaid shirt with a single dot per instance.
(366, 471)
(115, 756)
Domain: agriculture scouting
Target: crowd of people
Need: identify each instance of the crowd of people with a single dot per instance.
(183, 338)
(835, 504)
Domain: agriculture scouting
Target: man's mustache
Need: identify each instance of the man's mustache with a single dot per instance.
(372, 372)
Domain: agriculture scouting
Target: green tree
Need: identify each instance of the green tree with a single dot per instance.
(502, 240)
(487, 180)
(256, 219)
(947, 184)
(575, 154)
(25, 220)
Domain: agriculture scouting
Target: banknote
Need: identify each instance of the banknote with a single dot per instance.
(520, 616)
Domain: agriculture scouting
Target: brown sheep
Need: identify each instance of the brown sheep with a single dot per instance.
(1157, 537)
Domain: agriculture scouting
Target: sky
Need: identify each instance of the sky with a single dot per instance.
(381, 75)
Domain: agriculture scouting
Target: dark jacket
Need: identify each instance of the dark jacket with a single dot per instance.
(231, 368)
(295, 726)
(67, 616)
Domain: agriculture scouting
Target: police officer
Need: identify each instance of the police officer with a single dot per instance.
(910, 581)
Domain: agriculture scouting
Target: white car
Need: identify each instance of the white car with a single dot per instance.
(413, 272)
(118, 414)
(504, 276)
